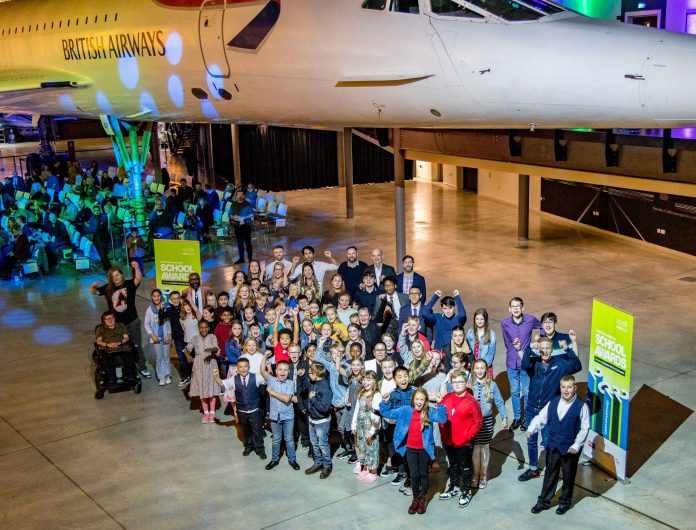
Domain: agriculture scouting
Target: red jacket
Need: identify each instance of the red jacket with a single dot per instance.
(464, 419)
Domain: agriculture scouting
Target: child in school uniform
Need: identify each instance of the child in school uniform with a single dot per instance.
(245, 387)
(413, 437)
(567, 420)
(486, 393)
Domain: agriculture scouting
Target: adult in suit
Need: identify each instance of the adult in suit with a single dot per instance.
(196, 293)
(381, 270)
(409, 278)
(388, 306)
(415, 307)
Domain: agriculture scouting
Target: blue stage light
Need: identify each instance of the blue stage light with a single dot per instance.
(18, 318)
(175, 48)
(209, 110)
(147, 103)
(176, 91)
(129, 72)
(51, 335)
(103, 103)
(67, 103)
(215, 81)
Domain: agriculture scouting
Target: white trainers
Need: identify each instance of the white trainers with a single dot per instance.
(483, 482)
(162, 382)
(168, 380)
(358, 468)
(450, 493)
(465, 499)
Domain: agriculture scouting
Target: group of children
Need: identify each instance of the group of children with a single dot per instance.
(391, 400)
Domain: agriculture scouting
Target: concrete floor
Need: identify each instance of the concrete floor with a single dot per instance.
(128, 461)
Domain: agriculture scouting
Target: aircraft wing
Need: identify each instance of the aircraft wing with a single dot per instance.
(17, 81)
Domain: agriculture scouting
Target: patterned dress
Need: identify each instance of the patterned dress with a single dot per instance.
(202, 381)
(366, 423)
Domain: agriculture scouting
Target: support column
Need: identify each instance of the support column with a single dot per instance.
(155, 150)
(348, 171)
(399, 199)
(236, 160)
(340, 159)
(523, 209)
(205, 158)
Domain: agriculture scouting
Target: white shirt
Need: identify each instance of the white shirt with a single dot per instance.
(376, 400)
(320, 269)
(255, 365)
(378, 274)
(563, 407)
(395, 302)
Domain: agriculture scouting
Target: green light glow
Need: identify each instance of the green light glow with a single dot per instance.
(608, 9)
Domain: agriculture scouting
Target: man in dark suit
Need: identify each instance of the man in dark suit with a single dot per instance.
(388, 306)
(409, 278)
(370, 332)
(415, 307)
(381, 270)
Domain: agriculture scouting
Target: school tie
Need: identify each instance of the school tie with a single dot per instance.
(391, 300)
(196, 300)
(244, 382)
(414, 312)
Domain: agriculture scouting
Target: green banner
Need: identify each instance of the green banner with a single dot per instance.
(174, 261)
(608, 387)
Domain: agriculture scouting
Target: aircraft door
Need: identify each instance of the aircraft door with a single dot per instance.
(210, 31)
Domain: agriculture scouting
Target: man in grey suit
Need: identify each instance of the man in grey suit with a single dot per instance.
(381, 270)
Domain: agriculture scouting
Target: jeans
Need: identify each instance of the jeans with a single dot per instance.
(135, 336)
(283, 429)
(530, 413)
(419, 466)
(179, 345)
(519, 384)
(460, 465)
(163, 366)
(319, 438)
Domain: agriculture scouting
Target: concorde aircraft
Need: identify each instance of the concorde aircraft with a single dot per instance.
(335, 63)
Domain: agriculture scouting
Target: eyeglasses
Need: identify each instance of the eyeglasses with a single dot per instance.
(458, 383)
(515, 307)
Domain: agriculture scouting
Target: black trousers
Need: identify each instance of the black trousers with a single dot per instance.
(460, 465)
(555, 461)
(242, 234)
(252, 427)
(301, 426)
(419, 466)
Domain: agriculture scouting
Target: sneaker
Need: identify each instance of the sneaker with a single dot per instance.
(343, 454)
(353, 459)
(483, 482)
(362, 475)
(145, 373)
(414, 506)
(212, 418)
(475, 483)
(406, 488)
(205, 418)
(465, 499)
(523, 427)
(357, 469)
(422, 504)
(450, 493)
(398, 479)
(370, 478)
(168, 380)
(162, 382)
(529, 474)
(386, 471)
(184, 382)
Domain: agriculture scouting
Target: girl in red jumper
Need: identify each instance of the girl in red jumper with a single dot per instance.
(463, 422)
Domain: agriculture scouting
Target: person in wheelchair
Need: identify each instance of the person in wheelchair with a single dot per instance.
(112, 343)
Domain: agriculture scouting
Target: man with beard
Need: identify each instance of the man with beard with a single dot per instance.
(409, 278)
(352, 270)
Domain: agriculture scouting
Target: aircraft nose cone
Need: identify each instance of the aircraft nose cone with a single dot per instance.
(668, 92)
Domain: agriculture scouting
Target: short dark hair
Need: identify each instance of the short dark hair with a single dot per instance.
(549, 316)
(284, 331)
(318, 370)
(243, 360)
(447, 301)
(353, 247)
(368, 274)
(223, 293)
(107, 314)
(283, 363)
(390, 278)
(407, 256)
(568, 377)
(399, 369)
(516, 299)
(308, 247)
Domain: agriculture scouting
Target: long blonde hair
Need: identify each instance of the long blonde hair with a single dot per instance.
(425, 411)
(369, 394)
(486, 379)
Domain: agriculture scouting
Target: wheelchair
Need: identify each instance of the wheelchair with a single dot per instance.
(112, 367)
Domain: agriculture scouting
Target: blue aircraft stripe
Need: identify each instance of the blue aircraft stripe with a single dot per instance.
(251, 37)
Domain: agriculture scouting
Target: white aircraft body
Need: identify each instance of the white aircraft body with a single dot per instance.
(336, 63)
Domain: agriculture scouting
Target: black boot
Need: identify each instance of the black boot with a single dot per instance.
(345, 445)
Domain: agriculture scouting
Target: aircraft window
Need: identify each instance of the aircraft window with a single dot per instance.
(374, 4)
(37, 28)
(60, 23)
(106, 18)
(29, 29)
(44, 26)
(86, 20)
(404, 6)
(507, 9)
(68, 22)
(116, 17)
(96, 18)
(77, 21)
(52, 24)
(453, 9)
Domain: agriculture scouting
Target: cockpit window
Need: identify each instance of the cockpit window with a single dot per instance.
(509, 9)
(374, 4)
(452, 9)
(404, 6)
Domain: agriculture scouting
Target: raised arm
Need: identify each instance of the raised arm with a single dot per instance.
(264, 369)
(138, 274)
(461, 310)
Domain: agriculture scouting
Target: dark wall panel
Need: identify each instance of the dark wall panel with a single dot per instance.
(661, 219)
(222, 152)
